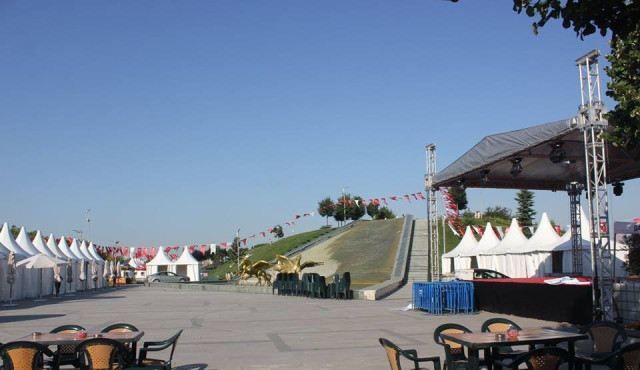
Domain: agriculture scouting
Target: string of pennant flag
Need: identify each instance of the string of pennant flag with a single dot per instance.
(173, 252)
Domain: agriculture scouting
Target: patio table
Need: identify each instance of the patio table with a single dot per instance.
(480, 341)
(50, 339)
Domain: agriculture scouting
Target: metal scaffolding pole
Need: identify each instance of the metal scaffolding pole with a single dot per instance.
(432, 215)
(574, 190)
(591, 122)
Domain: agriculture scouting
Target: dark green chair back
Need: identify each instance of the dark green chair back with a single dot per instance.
(454, 352)
(498, 324)
(394, 352)
(545, 358)
(66, 353)
(146, 361)
(119, 328)
(102, 353)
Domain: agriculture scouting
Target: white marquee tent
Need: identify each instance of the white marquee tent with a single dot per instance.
(187, 265)
(452, 260)
(500, 257)
(161, 262)
(41, 245)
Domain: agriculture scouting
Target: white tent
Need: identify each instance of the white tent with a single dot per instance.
(53, 247)
(41, 245)
(64, 248)
(532, 255)
(489, 240)
(452, 261)
(85, 252)
(161, 262)
(75, 264)
(25, 243)
(187, 265)
(499, 258)
(74, 247)
(94, 253)
(10, 243)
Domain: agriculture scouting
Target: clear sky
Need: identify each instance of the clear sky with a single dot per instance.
(178, 122)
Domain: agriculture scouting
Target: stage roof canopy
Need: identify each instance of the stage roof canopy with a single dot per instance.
(494, 156)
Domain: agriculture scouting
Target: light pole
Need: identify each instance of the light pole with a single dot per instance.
(344, 204)
(88, 225)
(79, 232)
(238, 250)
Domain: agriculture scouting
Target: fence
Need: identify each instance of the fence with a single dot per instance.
(443, 297)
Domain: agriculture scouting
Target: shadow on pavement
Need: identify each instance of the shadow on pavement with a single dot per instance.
(14, 318)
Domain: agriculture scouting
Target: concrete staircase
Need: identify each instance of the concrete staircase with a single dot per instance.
(418, 267)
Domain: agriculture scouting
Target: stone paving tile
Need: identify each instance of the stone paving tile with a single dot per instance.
(250, 331)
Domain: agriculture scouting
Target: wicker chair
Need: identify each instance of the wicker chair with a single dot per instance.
(394, 353)
(66, 353)
(25, 355)
(454, 352)
(144, 361)
(627, 357)
(102, 354)
(606, 338)
(500, 324)
(546, 358)
(120, 328)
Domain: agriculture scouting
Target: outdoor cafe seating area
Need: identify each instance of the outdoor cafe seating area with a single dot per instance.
(503, 344)
(72, 347)
(313, 285)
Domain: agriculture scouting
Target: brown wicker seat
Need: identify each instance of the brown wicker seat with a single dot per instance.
(25, 355)
(626, 358)
(606, 337)
(546, 358)
(101, 354)
(500, 324)
(394, 353)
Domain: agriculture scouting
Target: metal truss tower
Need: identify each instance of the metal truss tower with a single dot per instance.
(591, 122)
(574, 190)
(432, 215)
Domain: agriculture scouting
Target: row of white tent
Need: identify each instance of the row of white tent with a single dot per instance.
(520, 257)
(31, 283)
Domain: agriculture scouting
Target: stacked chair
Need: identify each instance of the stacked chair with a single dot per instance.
(313, 285)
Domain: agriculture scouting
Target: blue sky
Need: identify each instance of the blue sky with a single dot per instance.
(180, 122)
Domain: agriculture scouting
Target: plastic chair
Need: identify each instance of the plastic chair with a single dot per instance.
(25, 355)
(66, 353)
(394, 353)
(607, 337)
(333, 286)
(546, 358)
(120, 328)
(147, 347)
(102, 353)
(344, 286)
(500, 324)
(627, 357)
(454, 352)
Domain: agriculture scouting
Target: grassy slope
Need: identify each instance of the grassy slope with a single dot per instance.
(268, 252)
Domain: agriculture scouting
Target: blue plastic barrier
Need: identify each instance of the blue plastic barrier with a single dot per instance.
(440, 297)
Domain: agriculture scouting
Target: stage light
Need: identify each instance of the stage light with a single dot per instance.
(557, 153)
(485, 176)
(516, 167)
(617, 188)
(461, 184)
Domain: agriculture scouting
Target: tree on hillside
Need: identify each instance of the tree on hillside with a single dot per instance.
(341, 208)
(232, 252)
(278, 232)
(459, 195)
(372, 210)
(622, 19)
(356, 209)
(632, 264)
(348, 206)
(385, 213)
(498, 212)
(525, 213)
(326, 208)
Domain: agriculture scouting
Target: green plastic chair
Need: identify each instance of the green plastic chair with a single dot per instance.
(147, 347)
(627, 357)
(545, 358)
(455, 356)
(120, 328)
(102, 353)
(66, 353)
(394, 352)
(500, 324)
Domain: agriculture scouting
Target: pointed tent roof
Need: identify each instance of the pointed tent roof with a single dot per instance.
(544, 236)
(64, 248)
(85, 251)
(26, 244)
(467, 243)
(10, 243)
(489, 240)
(513, 240)
(161, 258)
(94, 253)
(564, 242)
(41, 245)
(74, 247)
(53, 247)
(4, 251)
(186, 258)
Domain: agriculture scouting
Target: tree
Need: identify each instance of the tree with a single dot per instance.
(498, 212)
(632, 264)
(356, 209)
(232, 252)
(525, 212)
(372, 210)
(340, 209)
(385, 213)
(326, 208)
(349, 207)
(278, 232)
(622, 18)
(459, 195)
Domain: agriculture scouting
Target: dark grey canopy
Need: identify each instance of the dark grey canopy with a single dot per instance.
(494, 156)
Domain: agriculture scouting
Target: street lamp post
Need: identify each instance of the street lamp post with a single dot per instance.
(344, 204)
(238, 250)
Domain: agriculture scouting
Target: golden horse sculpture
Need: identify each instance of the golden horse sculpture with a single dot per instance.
(288, 265)
(258, 270)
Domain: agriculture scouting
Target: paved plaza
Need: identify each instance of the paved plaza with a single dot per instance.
(250, 331)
